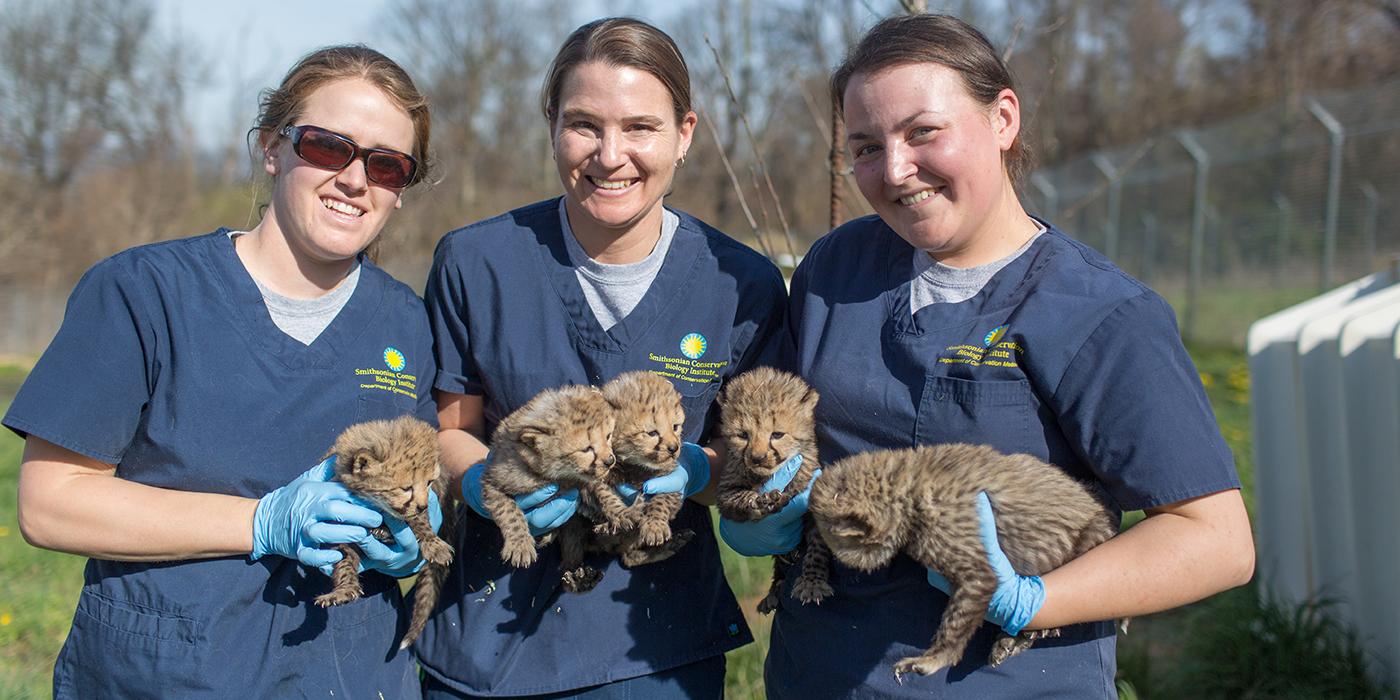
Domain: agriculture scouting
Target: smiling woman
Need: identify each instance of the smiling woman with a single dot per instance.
(577, 290)
(928, 158)
(952, 316)
(169, 423)
(616, 155)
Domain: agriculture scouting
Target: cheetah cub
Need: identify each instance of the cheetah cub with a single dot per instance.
(646, 443)
(392, 464)
(922, 502)
(767, 416)
(562, 436)
(558, 437)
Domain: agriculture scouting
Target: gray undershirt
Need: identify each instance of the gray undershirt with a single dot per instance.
(305, 319)
(613, 291)
(936, 283)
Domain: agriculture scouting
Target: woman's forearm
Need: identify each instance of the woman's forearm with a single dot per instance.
(461, 433)
(71, 503)
(1179, 554)
(715, 451)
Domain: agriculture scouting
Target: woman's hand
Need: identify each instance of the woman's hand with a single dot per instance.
(297, 520)
(778, 533)
(545, 509)
(1018, 598)
(400, 557)
(690, 477)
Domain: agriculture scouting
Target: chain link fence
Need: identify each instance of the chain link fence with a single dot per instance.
(1238, 219)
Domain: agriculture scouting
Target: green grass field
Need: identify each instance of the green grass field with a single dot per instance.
(38, 589)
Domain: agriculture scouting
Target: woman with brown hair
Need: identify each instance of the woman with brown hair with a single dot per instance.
(169, 424)
(951, 315)
(576, 290)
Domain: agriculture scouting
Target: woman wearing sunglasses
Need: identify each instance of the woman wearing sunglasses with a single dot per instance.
(170, 424)
(576, 290)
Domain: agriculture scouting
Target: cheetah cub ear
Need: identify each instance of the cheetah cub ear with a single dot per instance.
(531, 435)
(362, 462)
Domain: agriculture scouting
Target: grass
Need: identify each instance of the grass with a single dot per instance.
(1241, 644)
(38, 588)
(1233, 645)
(1223, 315)
(749, 577)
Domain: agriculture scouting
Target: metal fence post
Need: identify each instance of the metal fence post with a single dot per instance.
(1115, 192)
(1198, 228)
(1370, 221)
(1048, 193)
(1149, 246)
(1285, 225)
(1334, 186)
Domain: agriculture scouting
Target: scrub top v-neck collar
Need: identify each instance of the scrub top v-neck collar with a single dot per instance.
(670, 281)
(254, 320)
(1000, 289)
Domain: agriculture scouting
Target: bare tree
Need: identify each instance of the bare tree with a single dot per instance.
(76, 74)
(480, 63)
(87, 87)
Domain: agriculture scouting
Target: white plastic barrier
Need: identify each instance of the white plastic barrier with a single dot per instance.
(1283, 514)
(1326, 417)
(1370, 348)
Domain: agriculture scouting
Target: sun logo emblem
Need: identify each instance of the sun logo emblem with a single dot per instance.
(995, 335)
(693, 346)
(393, 359)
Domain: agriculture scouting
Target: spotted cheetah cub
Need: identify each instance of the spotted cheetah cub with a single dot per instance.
(923, 502)
(558, 437)
(767, 416)
(646, 443)
(562, 436)
(392, 464)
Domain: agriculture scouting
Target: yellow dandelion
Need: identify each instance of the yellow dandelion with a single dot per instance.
(5, 619)
(1206, 380)
(4, 532)
(1238, 378)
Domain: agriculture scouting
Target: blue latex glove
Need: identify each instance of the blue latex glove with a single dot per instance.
(690, 477)
(778, 533)
(544, 510)
(399, 558)
(296, 520)
(1018, 598)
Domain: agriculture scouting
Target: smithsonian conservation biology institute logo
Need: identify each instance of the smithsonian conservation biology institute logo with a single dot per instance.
(393, 359)
(995, 335)
(693, 346)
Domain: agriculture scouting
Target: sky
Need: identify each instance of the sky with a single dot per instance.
(250, 45)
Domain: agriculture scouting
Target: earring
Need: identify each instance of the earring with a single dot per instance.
(681, 162)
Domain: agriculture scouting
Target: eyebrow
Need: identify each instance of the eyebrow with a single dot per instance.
(902, 125)
(650, 119)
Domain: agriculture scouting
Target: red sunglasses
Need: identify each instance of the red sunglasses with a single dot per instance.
(326, 149)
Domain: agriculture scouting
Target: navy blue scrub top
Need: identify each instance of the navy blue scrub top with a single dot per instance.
(168, 366)
(510, 320)
(1061, 356)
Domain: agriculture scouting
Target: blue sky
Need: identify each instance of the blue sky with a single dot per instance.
(249, 45)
